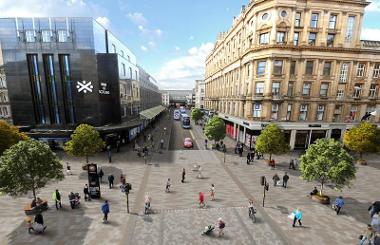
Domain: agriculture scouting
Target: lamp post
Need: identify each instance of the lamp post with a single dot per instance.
(265, 184)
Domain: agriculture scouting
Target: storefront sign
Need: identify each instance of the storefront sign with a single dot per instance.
(246, 123)
(315, 125)
(103, 89)
(226, 117)
(84, 86)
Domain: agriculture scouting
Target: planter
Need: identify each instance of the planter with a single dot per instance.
(361, 162)
(85, 166)
(321, 199)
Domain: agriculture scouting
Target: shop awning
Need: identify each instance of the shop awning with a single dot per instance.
(152, 112)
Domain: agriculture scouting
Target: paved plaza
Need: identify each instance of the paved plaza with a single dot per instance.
(176, 217)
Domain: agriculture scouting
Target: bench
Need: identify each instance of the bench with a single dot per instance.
(29, 210)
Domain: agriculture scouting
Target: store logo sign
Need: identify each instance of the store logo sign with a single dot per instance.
(103, 89)
(84, 87)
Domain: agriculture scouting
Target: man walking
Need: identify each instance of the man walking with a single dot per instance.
(56, 196)
(167, 189)
(105, 210)
(86, 193)
(275, 179)
(101, 173)
(285, 180)
(110, 181)
(183, 175)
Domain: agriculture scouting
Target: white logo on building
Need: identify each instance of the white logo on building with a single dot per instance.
(103, 89)
(84, 86)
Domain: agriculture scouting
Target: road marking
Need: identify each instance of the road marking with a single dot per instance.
(194, 140)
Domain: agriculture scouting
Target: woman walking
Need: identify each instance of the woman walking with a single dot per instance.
(212, 192)
(297, 217)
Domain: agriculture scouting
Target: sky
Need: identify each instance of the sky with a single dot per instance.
(170, 38)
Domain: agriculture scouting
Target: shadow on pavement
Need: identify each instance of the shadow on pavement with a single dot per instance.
(64, 226)
(354, 208)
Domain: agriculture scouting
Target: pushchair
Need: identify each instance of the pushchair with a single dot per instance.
(208, 230)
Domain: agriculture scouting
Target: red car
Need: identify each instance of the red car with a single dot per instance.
(188, 143)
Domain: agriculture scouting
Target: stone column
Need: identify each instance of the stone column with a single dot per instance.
(293, 134)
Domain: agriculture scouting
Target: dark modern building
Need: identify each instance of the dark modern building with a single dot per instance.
(150, 95)
(61, 72)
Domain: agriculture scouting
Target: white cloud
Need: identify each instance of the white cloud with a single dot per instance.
(181, 72)
(370, 34)
(374, 6)
(177, 48)
(143, 48)
(191, 38)
(137, 18)
(152, 34)
(104, 21)
(43, 8)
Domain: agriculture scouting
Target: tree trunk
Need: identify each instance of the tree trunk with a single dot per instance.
(86, 159)
(34, 192)
(361, 155)
(321, 192)
(270, 157)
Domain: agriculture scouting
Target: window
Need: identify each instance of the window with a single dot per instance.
(281, 37)
(114, 48)
(62, 36)
(257, 110)
(297, 22)
(265, 16)
(293, 67)
(353, 112)
(314, 20)
(372, 91)
(261, 67)
(360, 70)
(320, 112)
(290, 89)
(274, 114)
(337, 112)
(327, 68)
(324, 89)
(330, 40)
(309, 67)
(376, 71)
(343, 73)
(275, 88)
(121, 53)
(332, 21)
(312, 38)
(289, 112)
(124, 70)
(264, 38)
(130, 73)
(30, 36)
(296, 38)
(350, 28)
(340, 94)
(303, 113)
(277, 67)
(248, 67)
(46, 36)
(306, 89)
(357, 90)
(259, 88)
(283, 14)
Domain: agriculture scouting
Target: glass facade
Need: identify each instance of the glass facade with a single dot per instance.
(35, 82)
(51, 85)
(67, 87)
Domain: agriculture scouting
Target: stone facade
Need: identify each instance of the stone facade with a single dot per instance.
(295, 61)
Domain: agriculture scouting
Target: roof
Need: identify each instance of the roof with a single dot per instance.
(152, 112)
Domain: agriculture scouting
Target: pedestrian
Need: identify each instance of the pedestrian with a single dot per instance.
(339, 203)
(118, 146)
(291, 164)
(368, 235)
(110, 181)
(109, 150)
(105, 211)
(272, 164)
(122, 179)
(86, 193)
(199, 176)
(183, 175)
(101, 173)
(241, 150)
(201, 199)
(56, 196)
(375, 222)
(220, 225)
(275, 179)
(224, 148)
(162, 144)
(297, 216)
(374, 208)
(248, 158)
(167, 188)
(212, 192)
(285, 179)
(206, 144)
(68, 169)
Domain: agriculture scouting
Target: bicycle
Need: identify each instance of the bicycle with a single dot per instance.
(251, 214)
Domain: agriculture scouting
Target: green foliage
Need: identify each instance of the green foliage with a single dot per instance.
(327, 161)
(85, 142)
(196, 114)
(9, 135)
(28, 166)
(363, 138)
(272, 141)
(215, 129)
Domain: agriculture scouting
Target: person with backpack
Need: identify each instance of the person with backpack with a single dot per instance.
(220, 224)
(105, 210)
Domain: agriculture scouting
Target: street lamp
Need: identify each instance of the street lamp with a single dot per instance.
(265, 184)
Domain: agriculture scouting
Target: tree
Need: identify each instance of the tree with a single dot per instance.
(363, 138)
(28, 166)
(196, 115)
(85, 142)
(9, 135)
(327, 161)
(215, 129)
(272, 141)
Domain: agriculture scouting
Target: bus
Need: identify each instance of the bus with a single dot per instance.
(185, 121)
(176, 115)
